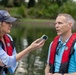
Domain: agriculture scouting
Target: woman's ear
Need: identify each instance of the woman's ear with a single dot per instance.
(0, 24)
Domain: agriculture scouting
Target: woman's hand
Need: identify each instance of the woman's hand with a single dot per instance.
(37, 44)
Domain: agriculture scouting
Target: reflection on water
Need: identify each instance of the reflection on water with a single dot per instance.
(21, 69)
(34, 62)
(24, 42)
(35, 66)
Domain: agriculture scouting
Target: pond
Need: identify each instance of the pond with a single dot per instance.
(33, 63)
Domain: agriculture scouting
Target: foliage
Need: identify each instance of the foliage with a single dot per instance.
(4, 2)
(61, 2)
(13, 12)
(48, 11)
(69, 8)
(18, 3)
(58, 2)
(12, 3)
(21, 11)
(43, 9)
(31, 3)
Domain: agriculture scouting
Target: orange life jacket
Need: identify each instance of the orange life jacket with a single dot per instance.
(66, 54)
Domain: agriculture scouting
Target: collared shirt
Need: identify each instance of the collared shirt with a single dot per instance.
(72, 63)
(9, 61)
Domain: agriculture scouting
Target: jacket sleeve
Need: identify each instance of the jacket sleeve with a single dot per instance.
(13, 68)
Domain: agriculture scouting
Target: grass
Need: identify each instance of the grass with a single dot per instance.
(35, 20)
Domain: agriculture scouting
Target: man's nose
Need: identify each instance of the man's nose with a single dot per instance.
(56, 25)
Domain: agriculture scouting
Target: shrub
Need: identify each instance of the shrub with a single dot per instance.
(44, 12)
(22, 11)
(69, 8)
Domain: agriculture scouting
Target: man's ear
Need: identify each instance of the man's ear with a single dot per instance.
(70, 25)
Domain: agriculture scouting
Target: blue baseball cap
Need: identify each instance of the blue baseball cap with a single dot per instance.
(5, 17)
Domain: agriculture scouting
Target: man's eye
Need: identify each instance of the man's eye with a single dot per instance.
(60, 23)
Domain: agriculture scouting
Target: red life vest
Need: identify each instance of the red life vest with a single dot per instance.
(9, 45)
(66, 54)
(9, 49)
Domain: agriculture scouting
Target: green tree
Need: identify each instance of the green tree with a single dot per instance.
(59, 2)
(31, 3)
(4, 2)
(10, 3)
(45, 2)
(18, 2)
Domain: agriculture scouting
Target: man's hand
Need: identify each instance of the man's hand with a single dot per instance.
(49, 74)
(53, 74)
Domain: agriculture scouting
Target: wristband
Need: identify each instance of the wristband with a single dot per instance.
(62, 74)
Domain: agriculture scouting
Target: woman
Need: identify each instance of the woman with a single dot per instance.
(8, 55)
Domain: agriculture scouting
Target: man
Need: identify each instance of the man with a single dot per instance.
(8, 55)
(62, 50)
